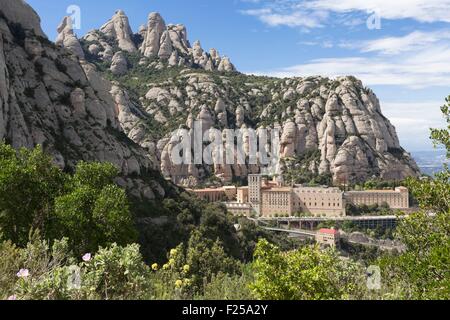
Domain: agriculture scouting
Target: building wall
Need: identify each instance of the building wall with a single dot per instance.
(239, 209)
(319, 201)
(254, 192)
(327, 239)
(210, 195)
(398, 199)
(242, 195)
(277, 201)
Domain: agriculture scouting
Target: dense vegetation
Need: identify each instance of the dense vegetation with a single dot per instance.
(73, 236)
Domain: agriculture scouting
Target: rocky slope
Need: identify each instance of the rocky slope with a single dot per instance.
(168, 43)
(157, 83)
(167, 85)
(48, 96)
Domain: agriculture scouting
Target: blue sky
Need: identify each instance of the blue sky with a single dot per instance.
(405, 58)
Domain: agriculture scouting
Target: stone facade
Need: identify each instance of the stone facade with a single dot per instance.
(328, 237)
(239, 209)
(396, 199)
(319, 201)
(215, 194)
(277, 202)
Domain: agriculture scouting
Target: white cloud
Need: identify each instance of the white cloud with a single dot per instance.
(414, 41)
(413, 121)
(420, 10)
(427, 68)
(314, 13)
(274, 18)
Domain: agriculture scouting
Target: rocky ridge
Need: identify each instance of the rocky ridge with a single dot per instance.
(58, 97)
(48, 96)
(167, 84)
(154, 40)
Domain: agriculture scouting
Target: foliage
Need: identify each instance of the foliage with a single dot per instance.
(304, 274)
(95, 212)
(114, 273)
(228, 287)
(422, 271)
(86, 207)
(375, 209)
(29, 183)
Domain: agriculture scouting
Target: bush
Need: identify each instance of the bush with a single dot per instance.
(304, 274)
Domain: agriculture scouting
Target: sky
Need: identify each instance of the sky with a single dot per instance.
(400, 48)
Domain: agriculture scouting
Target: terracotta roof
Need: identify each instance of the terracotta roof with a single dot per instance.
(328, 231)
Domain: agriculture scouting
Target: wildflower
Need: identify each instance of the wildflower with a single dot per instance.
(171, 262)
(87, 257)
(187, 282)
(165, 267)
(179, 283)
(186, 268)
(23, 273)
(13, 297)
(173, 252)
(155, 267)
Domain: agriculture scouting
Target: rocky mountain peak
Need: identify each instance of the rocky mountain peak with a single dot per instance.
(52, 98)
(154, 40)
(67, 38)
(20, 12)
(118, 28)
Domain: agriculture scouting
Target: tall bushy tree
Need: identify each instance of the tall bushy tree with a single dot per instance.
(36, 195)
(29, 182)
(422, 271)
(95, 212)
(304, 274)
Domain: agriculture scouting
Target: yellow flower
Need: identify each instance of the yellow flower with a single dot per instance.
(173, 252)
(178, 283)
(187, 282)
(155, 267)
(165, 267)
(186, 268)
(171, 262)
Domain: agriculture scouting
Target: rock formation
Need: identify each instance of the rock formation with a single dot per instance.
(50, 98)
(119, 64)
(67, 38)
(118, 28)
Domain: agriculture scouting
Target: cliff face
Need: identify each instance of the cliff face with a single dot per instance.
(59, 96)
(49, 97)
(170, 84)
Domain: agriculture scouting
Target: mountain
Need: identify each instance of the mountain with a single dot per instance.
(329, 127)
(49, 97)
(117, 96)
(431, 161)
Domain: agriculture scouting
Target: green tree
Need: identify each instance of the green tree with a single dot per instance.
(304, 274)
(422, 271)
(29, 182)
(95, 212)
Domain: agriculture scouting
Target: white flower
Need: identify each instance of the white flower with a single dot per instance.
(87, 257)
(13, 297)
(23, 273)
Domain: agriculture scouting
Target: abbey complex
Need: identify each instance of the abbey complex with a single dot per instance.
(265, 198)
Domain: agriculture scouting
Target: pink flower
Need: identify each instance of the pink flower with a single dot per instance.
(87, 257)
(23, 273)
(13, 297)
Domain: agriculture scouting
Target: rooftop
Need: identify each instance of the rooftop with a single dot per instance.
(329, 231)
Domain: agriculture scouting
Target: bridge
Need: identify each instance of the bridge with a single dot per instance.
(311, 223)
(293, 231)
